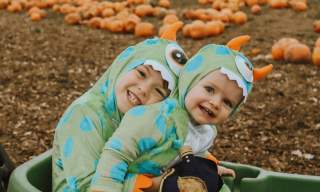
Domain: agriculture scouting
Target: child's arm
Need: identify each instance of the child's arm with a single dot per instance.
(132, 138)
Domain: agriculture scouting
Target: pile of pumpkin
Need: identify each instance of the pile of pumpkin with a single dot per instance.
(122, 16)
(292, 50)
(126, 16)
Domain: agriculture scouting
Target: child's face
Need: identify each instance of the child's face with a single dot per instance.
(140, 86)
(213, 98)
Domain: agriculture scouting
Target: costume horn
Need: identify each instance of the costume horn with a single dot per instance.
(259, 73)
(170, 32)
(237, 42)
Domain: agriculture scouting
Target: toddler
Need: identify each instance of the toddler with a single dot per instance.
(212, 86)
(142, 74)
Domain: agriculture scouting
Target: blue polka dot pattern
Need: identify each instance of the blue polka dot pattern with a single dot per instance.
(104, 87)
(109, 105)
(149, 167)
(170, 105)
(126, 53)
(161, 124)
(72, 184)
(68, 147)
(146, 143)
(118, 172)
(153, 41)
(86, 124)
(194, 64)
(222, 50)
(114, 143)
(137, 111)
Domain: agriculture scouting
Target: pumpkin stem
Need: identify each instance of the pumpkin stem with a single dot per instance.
(171, 32)
(237, 42)
(259, 73)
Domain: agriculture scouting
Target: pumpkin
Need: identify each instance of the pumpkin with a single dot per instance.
(159, 12)
(15, 6)
(131, 22)
(255, 9)
(169, 19)
(4, 4)
(316, 26)
(95, 22)
(67, 8)
(239, 18)
(35, 16)
(297, 52)
(107, 12)
(72, 18)
(144, 29)
(196, 29)
(317, 44)
(250, 3)
(186, 30)
(278, 4)
(144, 10)
(316, 56)
(116, 26)
(214, 28)
(298, 6)
(164, 3)
(277, 50)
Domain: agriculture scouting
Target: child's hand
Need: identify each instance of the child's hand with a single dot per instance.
(223, 171)
(155, 184)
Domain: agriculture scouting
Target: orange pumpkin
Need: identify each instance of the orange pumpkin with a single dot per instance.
(279, 47)
(169, 19)
(144, 10)
(214, 28)
(196, 29)
(131, 22)
(67, 8)
(316, 26)
(239, 18)
(251, 3)
(116, 26)
(278, 4)
(256, 9)
(35, 16)
(164, 3)
(4, 4)
(144, 29)
(298, 6)
(95, 22)
(297, 52)
(317, 44)
(107, 12)
(186, 30)
(15, 6)
(316, 56)
(72, 18)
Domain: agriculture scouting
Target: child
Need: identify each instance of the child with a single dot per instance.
(212, 86)
(142, 74)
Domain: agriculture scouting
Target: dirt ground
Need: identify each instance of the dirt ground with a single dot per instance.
(45, 65)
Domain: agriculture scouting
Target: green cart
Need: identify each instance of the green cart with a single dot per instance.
(35, 175)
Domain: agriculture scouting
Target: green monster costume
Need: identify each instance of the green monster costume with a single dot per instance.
(90, 120)
(149, 137)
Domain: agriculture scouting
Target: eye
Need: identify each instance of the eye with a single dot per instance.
(245, 68)
(141, 73)
(228, 103)
(175, 57)
(209, 89)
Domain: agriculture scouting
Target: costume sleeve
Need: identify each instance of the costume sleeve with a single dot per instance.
(80, 144)
(135, 135)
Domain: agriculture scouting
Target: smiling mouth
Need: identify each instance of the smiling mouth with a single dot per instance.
(206, 111)
(133, 99)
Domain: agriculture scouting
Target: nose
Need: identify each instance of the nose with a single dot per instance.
(215, 102)
(144, 88)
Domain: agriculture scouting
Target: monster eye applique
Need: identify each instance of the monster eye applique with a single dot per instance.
(245, 68)
(175, 57)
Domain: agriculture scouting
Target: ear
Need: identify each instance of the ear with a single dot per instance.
(237, 42)
(259, 73)
(171, 31)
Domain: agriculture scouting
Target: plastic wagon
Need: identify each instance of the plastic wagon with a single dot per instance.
(35, 175)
